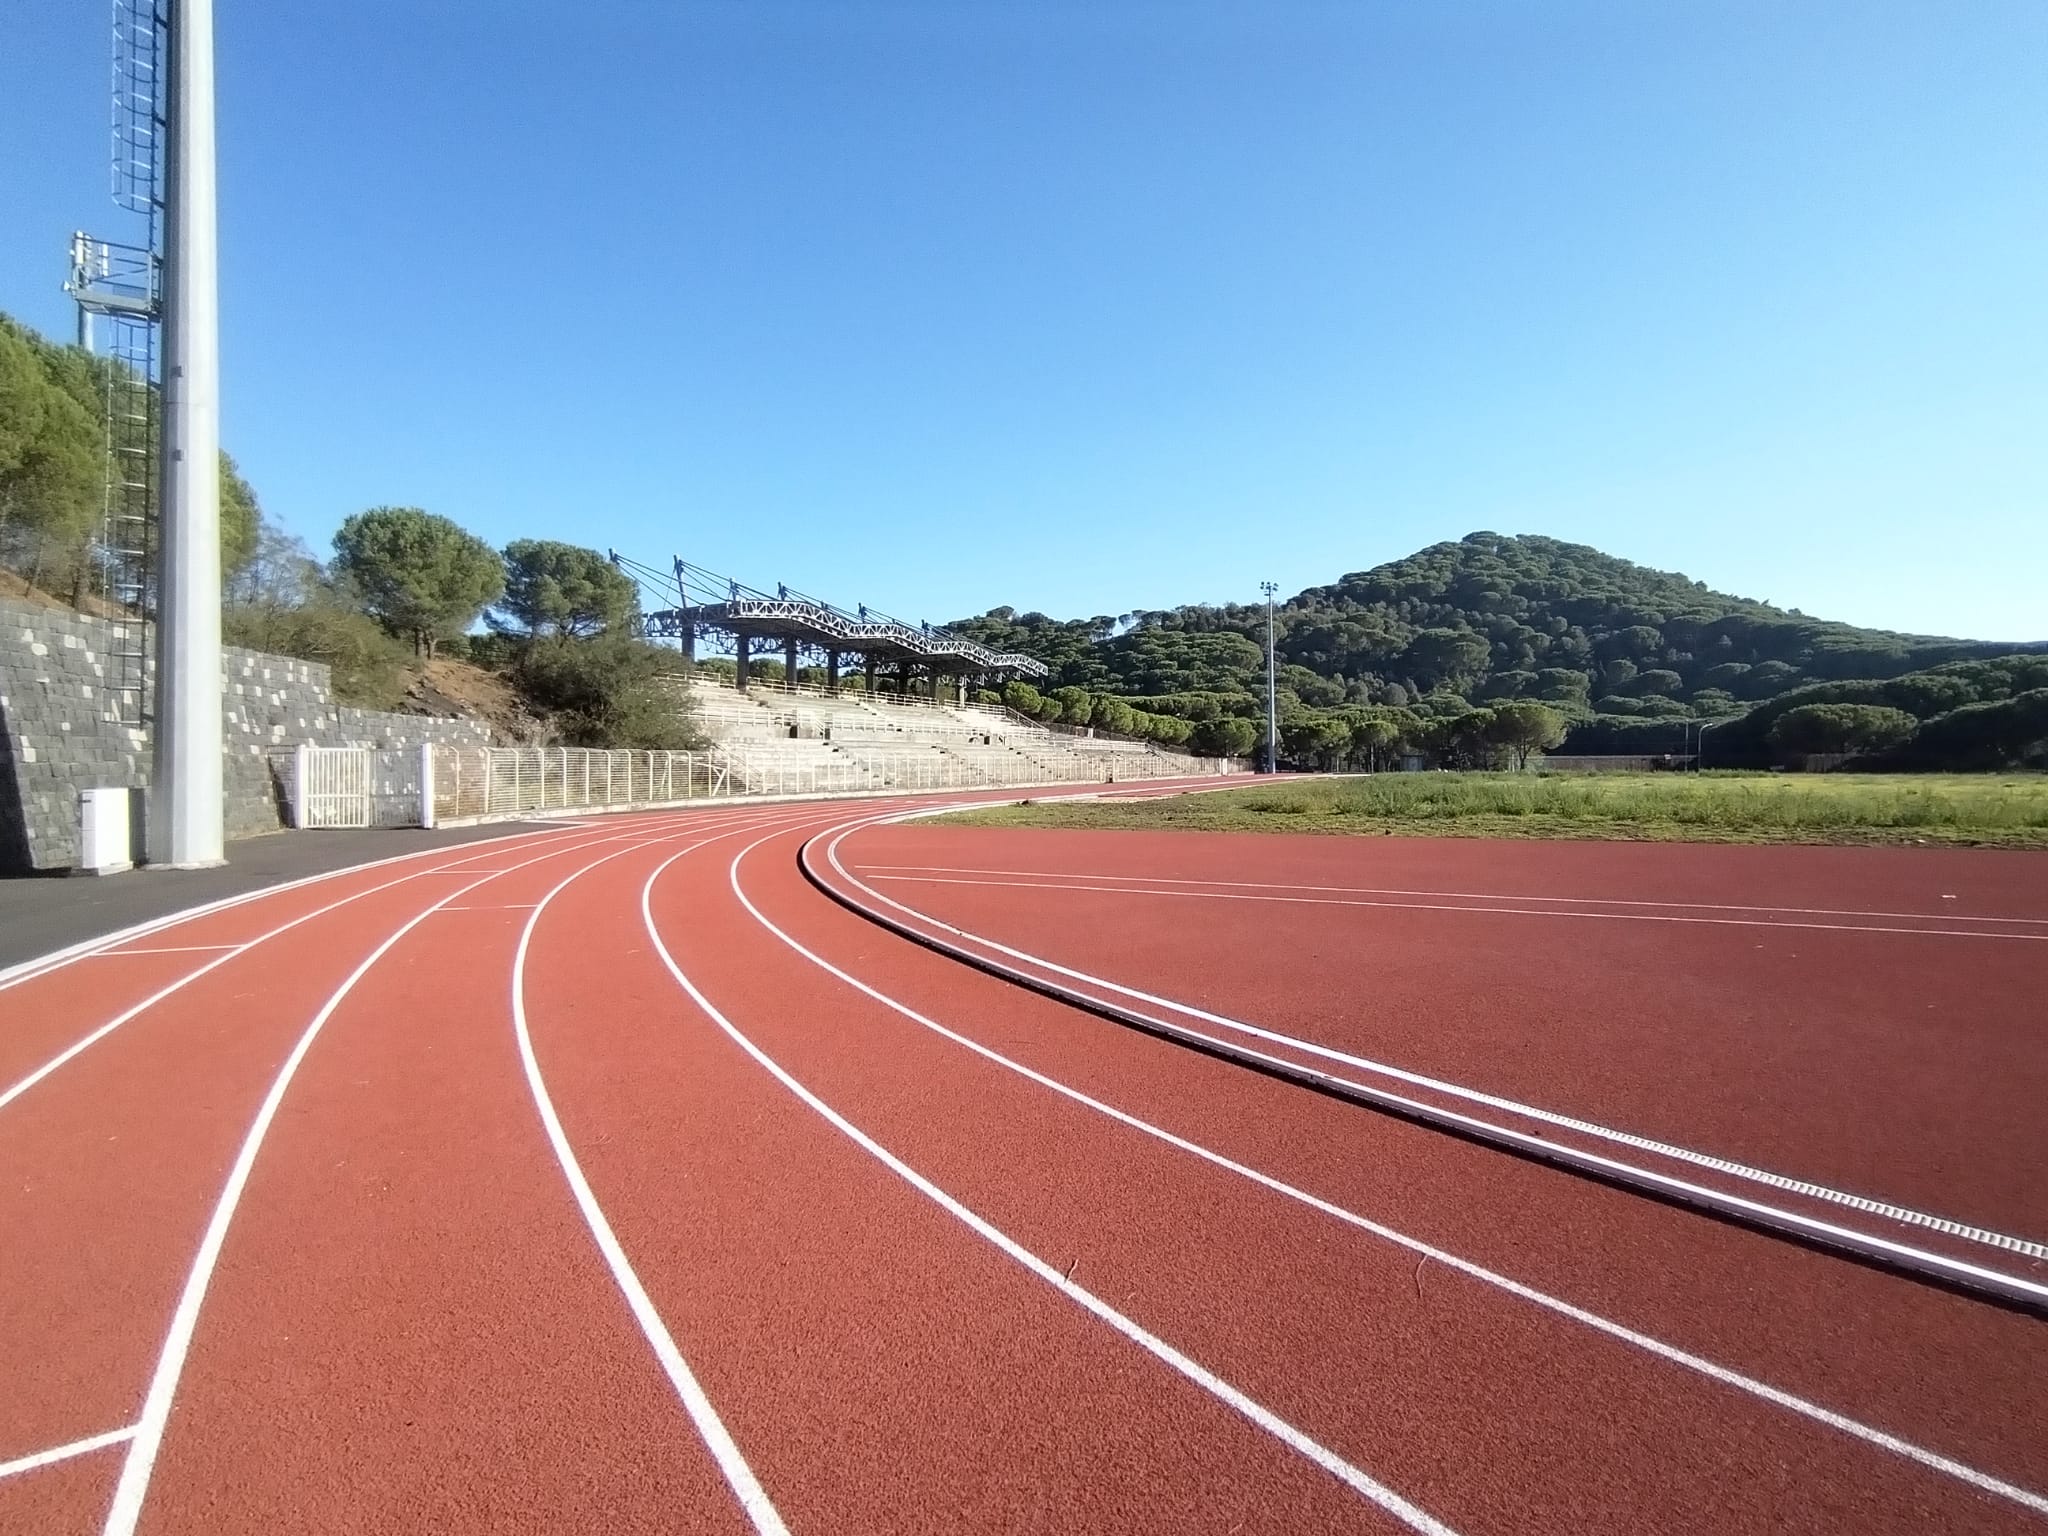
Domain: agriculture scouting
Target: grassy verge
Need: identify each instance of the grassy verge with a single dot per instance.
(1971, 810)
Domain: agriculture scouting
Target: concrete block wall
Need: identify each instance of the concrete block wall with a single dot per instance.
(61, 731)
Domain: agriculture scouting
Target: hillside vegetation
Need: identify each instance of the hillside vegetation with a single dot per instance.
(1434, 647)
(1483, 653)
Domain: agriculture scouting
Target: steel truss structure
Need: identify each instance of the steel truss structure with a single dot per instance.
(810, 630)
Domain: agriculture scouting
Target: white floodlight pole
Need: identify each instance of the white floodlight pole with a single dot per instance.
(1272, 707)
(186, 828)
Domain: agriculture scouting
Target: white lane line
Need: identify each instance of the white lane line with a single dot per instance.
(1905, 1215)
(1257, 1413)
(1377, 890)
(1869, 1434)
(133, 1487)
(1426, 906)
(164, 949)
(57, 959)
(732, 1463)
(66, 1452)
(528, 832)
(93, 1037)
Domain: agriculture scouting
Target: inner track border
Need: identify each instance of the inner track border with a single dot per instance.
(2012, 1293)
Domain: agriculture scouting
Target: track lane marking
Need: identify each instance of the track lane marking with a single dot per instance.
(166, 949)
(1724, 1375)
(1360, 1482)
(94, 1036)
(1424, 906)
(85, 949)
(58, 1453)
(1376, 890)
(1904, 1215)
(732, 1463)
(147, 1441)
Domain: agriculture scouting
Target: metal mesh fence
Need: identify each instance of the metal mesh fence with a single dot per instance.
(505, 781)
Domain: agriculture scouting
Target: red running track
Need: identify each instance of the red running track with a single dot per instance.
(1866, 1018)
(614, 1178)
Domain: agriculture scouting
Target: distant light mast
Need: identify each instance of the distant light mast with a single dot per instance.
(1272, 692)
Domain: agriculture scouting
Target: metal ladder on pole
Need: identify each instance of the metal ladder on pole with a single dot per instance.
(118, 286)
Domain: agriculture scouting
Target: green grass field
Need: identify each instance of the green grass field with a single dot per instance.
(2009, 811)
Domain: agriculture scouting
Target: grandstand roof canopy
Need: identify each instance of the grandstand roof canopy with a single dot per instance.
(707, 603)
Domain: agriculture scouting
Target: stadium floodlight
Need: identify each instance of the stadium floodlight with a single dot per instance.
(186, 822)
(1272, 692)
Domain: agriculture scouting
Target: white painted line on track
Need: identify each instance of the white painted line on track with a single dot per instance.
(57, 959)
(93, 1037)
(1725, 1376)
(732, 1463)
(1375, 890)
(58, 1453)
(1889, 1210)
(1360, 1482)
(133, 1487)
(1425, 906)
(165, 949)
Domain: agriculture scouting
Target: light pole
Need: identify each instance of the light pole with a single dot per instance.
(1272, 710)
(186, 828)
(1699, 757)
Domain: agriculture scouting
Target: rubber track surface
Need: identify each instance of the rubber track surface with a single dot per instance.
(1073, 1280)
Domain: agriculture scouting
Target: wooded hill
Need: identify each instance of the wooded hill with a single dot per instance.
(1625, 653)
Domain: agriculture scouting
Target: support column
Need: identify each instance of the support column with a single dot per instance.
(937, 682)
(832, 672)
(789, 662)
(869, 659)
(903, 677)
(187, 817)
(739, 656)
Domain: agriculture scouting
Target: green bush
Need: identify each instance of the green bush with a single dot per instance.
(368, 666)
(606, 692)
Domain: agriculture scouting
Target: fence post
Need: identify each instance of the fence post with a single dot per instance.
(427, 785)
(302, 759)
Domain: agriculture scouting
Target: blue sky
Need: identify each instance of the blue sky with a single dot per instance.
(1094, 306)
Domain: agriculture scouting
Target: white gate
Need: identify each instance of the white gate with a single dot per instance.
(357, 787)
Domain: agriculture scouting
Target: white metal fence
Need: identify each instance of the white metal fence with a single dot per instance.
(504, 781)
(427, 786)
(358, 786)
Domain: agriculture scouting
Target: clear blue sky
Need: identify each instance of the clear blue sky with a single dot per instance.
(1085, 305)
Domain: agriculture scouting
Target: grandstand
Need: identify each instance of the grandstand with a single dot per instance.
(724, 612)
(777, 739)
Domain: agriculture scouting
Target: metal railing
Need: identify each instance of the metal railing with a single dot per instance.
(470, 782)
(436, 785)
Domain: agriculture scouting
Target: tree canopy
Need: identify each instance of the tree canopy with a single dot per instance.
(1628, 659)
(1487, 617)
(552, 588)
(419, 575)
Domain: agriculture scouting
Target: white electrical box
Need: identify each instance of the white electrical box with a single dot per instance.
(105, 837)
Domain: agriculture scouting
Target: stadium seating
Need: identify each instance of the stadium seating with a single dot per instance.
(802, 741)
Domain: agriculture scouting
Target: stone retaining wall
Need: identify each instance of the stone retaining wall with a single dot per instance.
(61, 731)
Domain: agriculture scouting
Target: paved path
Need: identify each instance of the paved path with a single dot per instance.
(41, 913)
